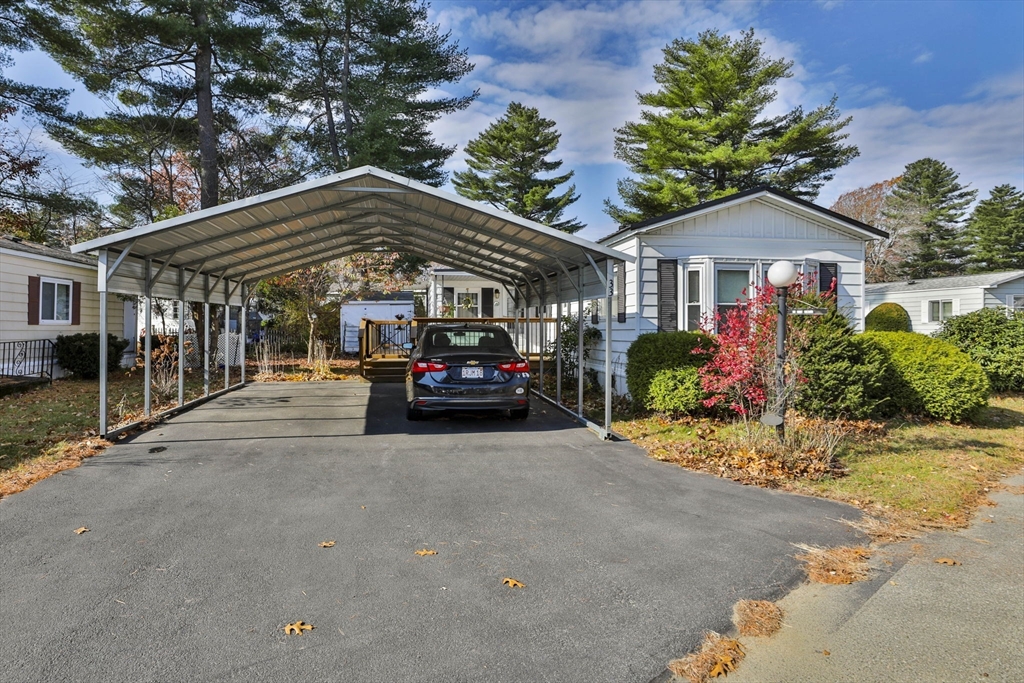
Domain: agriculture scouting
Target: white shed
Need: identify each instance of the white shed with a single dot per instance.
(393, 306)
(932, 300)
(693, 262)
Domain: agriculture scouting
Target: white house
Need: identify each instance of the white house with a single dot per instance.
(693, 262)
(454, 293)
(46, 292)
(932, 300)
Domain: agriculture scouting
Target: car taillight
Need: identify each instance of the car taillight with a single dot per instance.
(427, 366)
(514, 366)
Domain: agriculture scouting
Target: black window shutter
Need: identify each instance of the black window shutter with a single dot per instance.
(620, 291)
(668, 295)
(76, 303)
(487, 302)
(827, 274)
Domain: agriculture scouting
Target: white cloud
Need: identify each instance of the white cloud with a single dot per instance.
(982, 139)
(925, 56)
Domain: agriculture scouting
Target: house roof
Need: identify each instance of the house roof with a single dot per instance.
(354, 211)
(19, 244)
(954, 282)
(752, 193)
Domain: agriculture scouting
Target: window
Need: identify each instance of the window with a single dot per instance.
(940, 310)
(693, 300)
(54, 300)
(731, 288)
(1016, 302)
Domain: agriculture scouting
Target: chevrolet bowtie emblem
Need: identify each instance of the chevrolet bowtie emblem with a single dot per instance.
(473, 362)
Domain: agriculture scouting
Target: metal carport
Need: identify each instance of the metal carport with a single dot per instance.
(217, 254)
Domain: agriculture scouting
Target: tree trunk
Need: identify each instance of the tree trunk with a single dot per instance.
(346, 75)
(332, 130)
(208, 187)
(309, 345)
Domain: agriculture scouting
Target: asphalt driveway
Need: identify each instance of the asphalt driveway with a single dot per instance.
(203, 544)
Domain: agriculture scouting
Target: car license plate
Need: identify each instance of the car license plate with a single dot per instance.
(472, 373)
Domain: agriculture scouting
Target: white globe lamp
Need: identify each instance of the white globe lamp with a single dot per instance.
(782, 274)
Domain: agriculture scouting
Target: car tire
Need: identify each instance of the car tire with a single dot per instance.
(413, 414)
(519, 413)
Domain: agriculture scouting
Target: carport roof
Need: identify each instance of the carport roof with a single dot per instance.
(357, 210)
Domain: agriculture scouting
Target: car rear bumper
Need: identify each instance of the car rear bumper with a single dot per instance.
(429, 395)
(468, 403)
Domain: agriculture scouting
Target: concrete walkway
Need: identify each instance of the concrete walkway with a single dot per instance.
(926, 622)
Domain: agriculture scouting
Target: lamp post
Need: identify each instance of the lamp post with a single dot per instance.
(781, 276)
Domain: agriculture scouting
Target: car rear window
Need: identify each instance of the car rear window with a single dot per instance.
(492, 340)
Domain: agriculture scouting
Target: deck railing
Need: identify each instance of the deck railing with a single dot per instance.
(33, 358)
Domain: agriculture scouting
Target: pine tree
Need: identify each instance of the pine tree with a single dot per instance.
(996, 231)
(931, 188)
(703, 134)
(506, 163)
(193, 61)
(359, 71)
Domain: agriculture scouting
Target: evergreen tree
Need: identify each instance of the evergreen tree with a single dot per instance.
(703, 134)
(358, 72)
(192, 61)
(996, 231)
(932, 189)
(505, 166)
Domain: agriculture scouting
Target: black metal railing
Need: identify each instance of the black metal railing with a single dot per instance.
(34, 358)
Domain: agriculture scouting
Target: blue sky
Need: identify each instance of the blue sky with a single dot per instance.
(939, 79)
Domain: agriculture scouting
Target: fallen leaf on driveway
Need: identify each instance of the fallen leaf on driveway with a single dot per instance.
(364, 507)
(326, 544)
(298, 627)
(512, 583)
(423, 552)
(81, 530)
(946, 560)
(826, 653)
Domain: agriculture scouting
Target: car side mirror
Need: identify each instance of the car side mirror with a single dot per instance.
(408, 346)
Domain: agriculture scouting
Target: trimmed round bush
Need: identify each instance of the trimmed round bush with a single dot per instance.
(846, 374)
(887, 317)
(79, 354)
(933, 377)
(656, 351)
(676, 391)
(994, 340)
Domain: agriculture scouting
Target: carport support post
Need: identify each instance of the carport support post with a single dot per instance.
(227, 342)
(206, 335)
(181, 337)
(543, 336)
(610, 274)
(101, 286)
(147, 393)
(558, 340)
(579, 345)
(243, 316)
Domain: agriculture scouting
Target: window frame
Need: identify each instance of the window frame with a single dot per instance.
(736, 266)
(685, 298)
(940, 317)
(56, 282)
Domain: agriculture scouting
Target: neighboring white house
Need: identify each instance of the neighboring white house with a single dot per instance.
(376, 306)
(454, 293)
(46, 292)
(707, 257)
(932, 300)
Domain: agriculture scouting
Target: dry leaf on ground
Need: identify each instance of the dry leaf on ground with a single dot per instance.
(298, 627)
(834, 565)
(947, 561)
(81, 530)
(757, 617)
(512, 583)
(718, 656)
(425, 551)
(326, 544)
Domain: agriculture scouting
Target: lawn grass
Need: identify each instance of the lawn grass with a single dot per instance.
(922, 473)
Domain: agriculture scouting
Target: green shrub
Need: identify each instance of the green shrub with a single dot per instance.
(994, 340)
(79, 354)
(656, 351)
(887, 317)
(676, 391)
(933, 377)
(846, 375)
